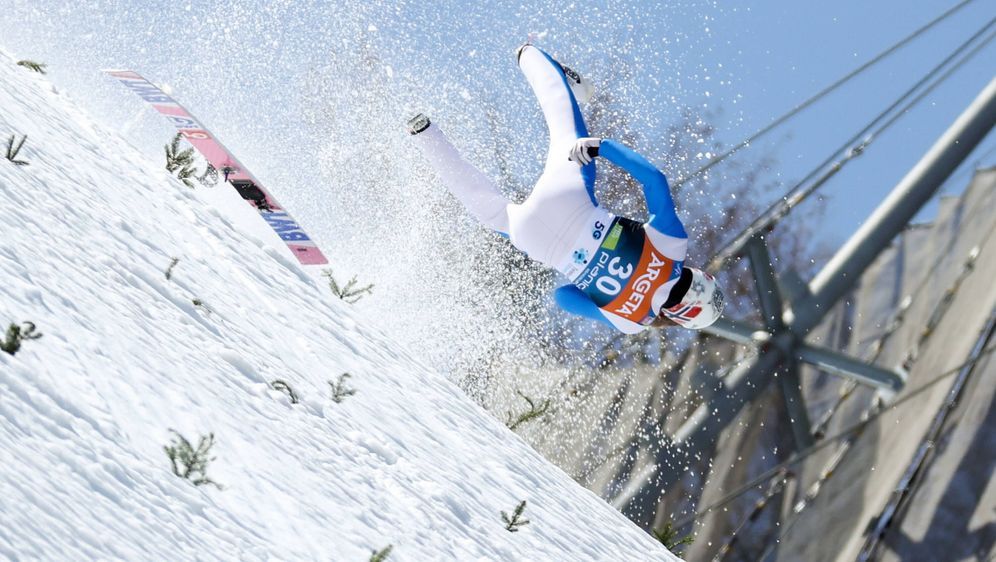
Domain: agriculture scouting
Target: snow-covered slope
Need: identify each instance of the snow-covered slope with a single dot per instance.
(90, 226)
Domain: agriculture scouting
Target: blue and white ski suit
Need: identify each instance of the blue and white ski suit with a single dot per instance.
(621, 270)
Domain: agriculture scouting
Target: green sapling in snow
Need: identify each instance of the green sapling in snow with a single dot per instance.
(339, 389)
(282, 386)
(16, 335)
(191, 463)
(32, 65)
(13, 150)
(348, 292)
(513, 523)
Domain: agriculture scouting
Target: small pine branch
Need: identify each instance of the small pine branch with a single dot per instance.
(12, 150)
(176, 157)
(191, 463)
(183, 160)
(339, 389)
(349, 292)
(382, 554)
(185, 174)
(533, 412)
(282, 386)
(185, 157)
(668, 536)
(172, 153)
(32, 65)
(169, 270)
(16, 335)
(200, 304)
(513, 523)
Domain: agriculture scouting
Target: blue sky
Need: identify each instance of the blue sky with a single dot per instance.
(787, 51)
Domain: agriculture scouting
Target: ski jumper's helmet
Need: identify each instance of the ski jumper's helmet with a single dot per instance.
(702, 304)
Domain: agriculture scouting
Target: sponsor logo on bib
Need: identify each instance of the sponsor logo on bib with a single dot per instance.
(626, 270)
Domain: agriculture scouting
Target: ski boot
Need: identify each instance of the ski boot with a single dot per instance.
(418, 124)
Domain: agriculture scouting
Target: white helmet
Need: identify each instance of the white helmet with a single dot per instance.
(702, 304)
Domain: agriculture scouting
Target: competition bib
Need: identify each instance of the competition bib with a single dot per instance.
(625, 271)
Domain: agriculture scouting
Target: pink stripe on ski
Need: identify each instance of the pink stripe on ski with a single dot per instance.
(308, 255)
(172, 110)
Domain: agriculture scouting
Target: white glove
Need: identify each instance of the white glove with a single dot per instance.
(585, 150)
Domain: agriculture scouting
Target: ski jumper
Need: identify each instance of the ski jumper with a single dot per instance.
(621, 270)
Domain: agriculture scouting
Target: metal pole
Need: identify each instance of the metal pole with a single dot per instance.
(854, 369)
(831, 361)
(906, 199)
(795, 405)
(768, 293)
(770, 298)
(737, 332)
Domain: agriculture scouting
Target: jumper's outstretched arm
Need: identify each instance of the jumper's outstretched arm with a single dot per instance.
(663, 215)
